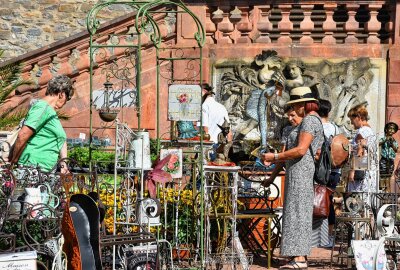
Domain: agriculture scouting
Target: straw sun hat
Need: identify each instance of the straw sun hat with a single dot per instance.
(301, 94)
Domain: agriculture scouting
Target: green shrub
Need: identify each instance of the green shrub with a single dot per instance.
(101, 156)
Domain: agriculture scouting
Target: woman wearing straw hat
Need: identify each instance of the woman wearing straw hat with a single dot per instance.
(299, 192)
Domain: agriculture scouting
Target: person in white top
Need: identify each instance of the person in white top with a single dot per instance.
(213, 114)
(363, 141)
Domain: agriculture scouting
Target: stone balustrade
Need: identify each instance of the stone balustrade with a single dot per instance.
(305, 23)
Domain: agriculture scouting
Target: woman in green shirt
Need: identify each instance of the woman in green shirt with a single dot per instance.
(42, 139)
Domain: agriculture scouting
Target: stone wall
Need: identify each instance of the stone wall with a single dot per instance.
(26, 25)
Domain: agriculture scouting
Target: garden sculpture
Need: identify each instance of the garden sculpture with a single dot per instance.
(223, 144)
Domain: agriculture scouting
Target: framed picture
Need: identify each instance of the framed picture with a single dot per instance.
(174, 166)
(184, 102)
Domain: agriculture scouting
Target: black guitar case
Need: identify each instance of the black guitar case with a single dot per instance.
(84, 213)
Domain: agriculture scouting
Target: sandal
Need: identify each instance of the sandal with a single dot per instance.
(295, 265)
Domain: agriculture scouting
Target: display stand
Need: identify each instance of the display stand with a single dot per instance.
(229, 251)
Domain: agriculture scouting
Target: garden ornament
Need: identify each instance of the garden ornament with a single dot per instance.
(186, 130)
(139, 150)
(269, 81)
(224, 145)
(389, 147)
(158, 175)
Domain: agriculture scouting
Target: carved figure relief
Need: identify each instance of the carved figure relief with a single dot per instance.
(248, 91)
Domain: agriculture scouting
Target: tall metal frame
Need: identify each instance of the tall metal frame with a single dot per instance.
(125, 69)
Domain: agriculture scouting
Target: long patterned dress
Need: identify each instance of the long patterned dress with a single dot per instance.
(299, 192)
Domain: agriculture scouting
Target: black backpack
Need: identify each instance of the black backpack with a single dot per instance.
(323, 164)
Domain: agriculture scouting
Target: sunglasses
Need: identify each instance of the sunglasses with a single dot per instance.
(353, 115)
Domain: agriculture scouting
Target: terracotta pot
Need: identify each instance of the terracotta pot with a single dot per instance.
(180, 253)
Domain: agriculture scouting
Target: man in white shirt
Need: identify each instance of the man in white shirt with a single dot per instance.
(213, 114)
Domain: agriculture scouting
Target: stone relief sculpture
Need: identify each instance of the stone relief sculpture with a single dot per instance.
(249, 92)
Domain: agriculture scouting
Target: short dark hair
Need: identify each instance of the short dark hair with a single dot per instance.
(207, 87)
(325, 107)
(287, 108)
(394, 125)
(60, 84)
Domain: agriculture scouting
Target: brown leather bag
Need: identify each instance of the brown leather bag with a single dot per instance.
(339, 150)
(322, 201)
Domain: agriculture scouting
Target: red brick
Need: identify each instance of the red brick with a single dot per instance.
(393, 95)
(394, 71)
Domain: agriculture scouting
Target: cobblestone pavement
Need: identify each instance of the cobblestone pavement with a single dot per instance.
(320, 258)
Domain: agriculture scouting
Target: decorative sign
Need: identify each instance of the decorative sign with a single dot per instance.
(82, 136)
(184, 102)
(18, 261)
(174, 166)
(117, 98)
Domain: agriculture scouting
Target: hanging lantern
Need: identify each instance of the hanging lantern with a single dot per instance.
(106, 113)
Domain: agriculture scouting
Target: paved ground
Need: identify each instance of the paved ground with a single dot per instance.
(320, 258)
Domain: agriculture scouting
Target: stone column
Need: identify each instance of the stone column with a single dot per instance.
(209, 28)
(373, 25)
(45, 75)
(329, 25)
(216, 18)
(389, 26)
(307, 25)
(285, 25)
(65, 66)
(396, 29)
(225, 27)
(84, 63)
(351, 26)
(244, 26)
(264, 25)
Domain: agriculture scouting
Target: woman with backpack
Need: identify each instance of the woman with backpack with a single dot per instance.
(304, 139)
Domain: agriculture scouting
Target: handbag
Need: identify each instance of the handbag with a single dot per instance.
(322, 201)
(7, 146)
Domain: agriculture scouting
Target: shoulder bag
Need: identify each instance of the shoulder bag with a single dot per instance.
(322, 193)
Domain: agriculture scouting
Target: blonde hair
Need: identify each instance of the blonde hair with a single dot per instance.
(359, 111)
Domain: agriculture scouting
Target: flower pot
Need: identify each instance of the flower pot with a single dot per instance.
(181, 252)
(108, 115)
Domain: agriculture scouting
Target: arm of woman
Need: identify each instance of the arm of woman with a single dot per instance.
(350, 176)
(274, 174)
(23, 136)
(300, 150)
(63, 154)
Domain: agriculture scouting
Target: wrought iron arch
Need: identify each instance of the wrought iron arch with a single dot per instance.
(117, 58)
